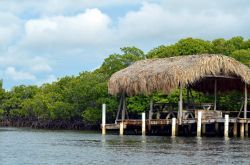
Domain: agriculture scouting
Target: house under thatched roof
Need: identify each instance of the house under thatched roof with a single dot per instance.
(166, 74)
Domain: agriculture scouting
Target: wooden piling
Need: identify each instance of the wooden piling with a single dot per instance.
(246, 129)
(173, 127)
(199, 124)
(143, 127)
(103, 119)
(226, 125)
(121, 128)
(242, 129)
(203, 129)
(216, 128)
(235, 129)
(123, 115)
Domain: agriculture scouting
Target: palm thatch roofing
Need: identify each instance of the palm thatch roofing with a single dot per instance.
(166, 74)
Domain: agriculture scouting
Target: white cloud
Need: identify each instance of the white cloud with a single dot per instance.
(41, 68)
(18, 75)
(156, 22)
(48, 79)
(10, 27)
(55, 7)
(44, 39)
(88, 28)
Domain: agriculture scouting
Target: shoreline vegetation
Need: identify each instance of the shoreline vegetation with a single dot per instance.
(74, 102)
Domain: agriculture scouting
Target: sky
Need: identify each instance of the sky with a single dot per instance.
(41, 41)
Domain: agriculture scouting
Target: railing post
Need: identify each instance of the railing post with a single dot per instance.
(226, 125)
(199, 124)
(242, 129)
(121, 128)
(143, 127)
(103, 119)
(173, 127)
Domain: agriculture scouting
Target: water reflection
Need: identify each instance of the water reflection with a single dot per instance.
(19, 146)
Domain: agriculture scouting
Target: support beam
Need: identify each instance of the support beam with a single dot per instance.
(180, 106)
(215, 94)
(226, 125)
(242, 129)
(119, 109)
(143, 127)
(199, 124)
(188, 98)
(150, 114)
(173, 127)
(151, 110)
(235, 129)
(103, 119)
(123, 107)
(245, 102)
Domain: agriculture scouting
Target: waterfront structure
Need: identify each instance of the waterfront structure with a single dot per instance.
(210, 73)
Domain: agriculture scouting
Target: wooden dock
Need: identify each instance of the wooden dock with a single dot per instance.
(237, 126)
(201, 124)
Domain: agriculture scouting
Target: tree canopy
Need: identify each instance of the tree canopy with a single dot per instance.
(78, 99)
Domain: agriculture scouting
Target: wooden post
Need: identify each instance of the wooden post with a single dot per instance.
(121, 128)
(188, 98)
(245, 102)
(143, 127)
(203, 129)
(199, 124)
(119, 109)
(226, 125)
(150, 110)
(246, 129)
(180, 105)
(123, 107)
(216, 128)
(173, 127)
(150, 114)
(215, 94)
(123, 114)
(103, 119)
(241, 129)
(235, 129)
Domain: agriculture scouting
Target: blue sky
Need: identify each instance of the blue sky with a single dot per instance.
(41, 41)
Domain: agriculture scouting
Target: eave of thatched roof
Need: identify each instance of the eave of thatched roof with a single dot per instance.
(165, 74)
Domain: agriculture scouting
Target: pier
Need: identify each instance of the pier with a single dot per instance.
(213, 74)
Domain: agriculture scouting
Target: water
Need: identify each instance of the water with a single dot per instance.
(29, 146)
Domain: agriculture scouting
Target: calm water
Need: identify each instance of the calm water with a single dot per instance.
(28, 146)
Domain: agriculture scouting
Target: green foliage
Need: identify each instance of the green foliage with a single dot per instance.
(92, 115)
(138, 104)
(81, 97)
(242, 55)
(193, 46)
(116, 62)
(163, 51)
(1, 114)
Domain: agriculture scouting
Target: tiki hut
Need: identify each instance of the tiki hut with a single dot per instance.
(206, 72)
(166, 74)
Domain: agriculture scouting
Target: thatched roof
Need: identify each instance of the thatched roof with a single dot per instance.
(165, 74)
